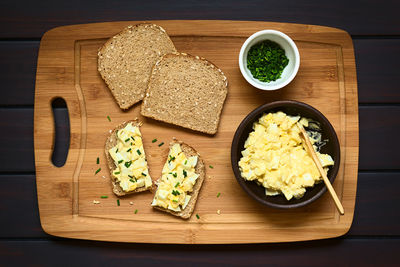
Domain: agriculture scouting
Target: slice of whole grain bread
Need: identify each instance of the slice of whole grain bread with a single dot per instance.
(125, 61)
(200, 170)
(186, 90)
(110, 143)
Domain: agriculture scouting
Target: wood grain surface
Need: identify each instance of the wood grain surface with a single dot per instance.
(358, 18)
(67, 68)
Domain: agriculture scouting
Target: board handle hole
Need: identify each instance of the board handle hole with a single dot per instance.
(61, 140)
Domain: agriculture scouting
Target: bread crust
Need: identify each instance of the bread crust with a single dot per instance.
(199, 169)
(110, 143)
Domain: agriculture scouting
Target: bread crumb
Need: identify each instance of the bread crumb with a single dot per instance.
(218, 212)
(131, 203)
(96, 202)
(209, 177)
(103, 177)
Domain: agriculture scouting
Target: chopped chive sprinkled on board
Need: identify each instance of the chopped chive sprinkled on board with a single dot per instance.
(98, 170)
(136, 211)
(118, 202)
(98, 160)
(103, 196)
(218, 194)
(154, 140)
(109, 119)
(197, 215)
(160, 144)
(139, 153)
(211, 167)
(266, 61)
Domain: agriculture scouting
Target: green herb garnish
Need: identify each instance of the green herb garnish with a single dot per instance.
(174, 174)
(185, 162)
(120, 161)
(126, 140)
(129, 150)
(160, 144)
(131, 180)
(136, 211)
(211, 167)
(103, 196)
(175, 192)
(98, 170)
(218, 194)
(177, 184)
(117, 172)
(139, 153)
(266, 61)
(176, 201)
(118, 202)
(154, 140)
(133, 138)
(130, 176)
(171, 158)
(184, 173)
(116, 151)
(109, 119)
(98, 160)
(197, 215)
(144, 174)
(128, 163)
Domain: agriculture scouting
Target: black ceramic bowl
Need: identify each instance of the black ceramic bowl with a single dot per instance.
(293, 108)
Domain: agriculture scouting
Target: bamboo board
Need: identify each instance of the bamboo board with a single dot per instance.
(67, 68)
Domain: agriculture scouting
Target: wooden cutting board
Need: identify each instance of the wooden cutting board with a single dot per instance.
(67, 68)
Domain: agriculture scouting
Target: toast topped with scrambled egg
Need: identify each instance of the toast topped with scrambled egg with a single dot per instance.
(181, 180)
(126, 160)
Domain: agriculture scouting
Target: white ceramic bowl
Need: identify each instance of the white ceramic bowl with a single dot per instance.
(291, 52)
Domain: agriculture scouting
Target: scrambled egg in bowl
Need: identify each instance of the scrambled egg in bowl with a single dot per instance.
(274, 155)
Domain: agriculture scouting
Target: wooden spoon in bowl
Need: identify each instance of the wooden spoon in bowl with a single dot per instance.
(315, 158)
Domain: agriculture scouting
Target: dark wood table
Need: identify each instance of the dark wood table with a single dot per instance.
(374, 238)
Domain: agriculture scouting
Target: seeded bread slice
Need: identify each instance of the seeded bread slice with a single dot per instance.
(125, 61)
(200, 170)
(110, 143)
(186, 90)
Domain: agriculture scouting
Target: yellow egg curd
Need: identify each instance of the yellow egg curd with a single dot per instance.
(275, 157)
(129, 157)
(177, 180)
